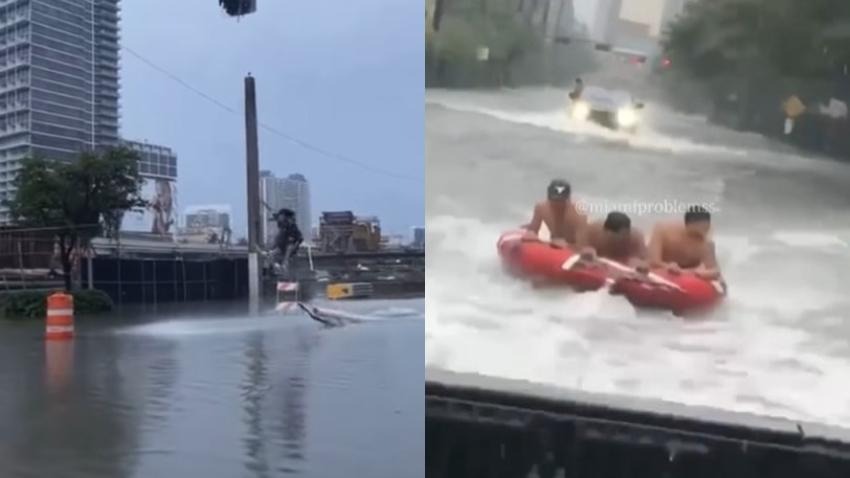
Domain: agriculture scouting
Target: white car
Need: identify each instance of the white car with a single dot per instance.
(614, 109)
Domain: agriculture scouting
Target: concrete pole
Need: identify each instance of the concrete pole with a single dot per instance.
(253, 175)
(90, 271)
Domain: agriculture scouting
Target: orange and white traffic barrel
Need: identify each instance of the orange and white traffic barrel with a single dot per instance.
(287, 307)
(60, 316)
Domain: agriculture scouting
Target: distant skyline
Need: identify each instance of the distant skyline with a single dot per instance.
(585, 11)
(642, 11)
(347, 78)
(291, 192)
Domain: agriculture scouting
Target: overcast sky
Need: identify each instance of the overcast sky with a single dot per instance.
(584, 11)
(644, 11)
(345, 76)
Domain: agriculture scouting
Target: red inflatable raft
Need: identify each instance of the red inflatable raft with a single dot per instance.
(691, 293)
(540, 261)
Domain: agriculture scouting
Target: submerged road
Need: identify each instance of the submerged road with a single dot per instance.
(208, 390)
(779, 345)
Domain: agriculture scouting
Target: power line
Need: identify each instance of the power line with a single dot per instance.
(335, 156)
(301, 143)
(178, 80)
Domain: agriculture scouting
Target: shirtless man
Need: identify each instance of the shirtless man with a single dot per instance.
(615, 239)
(559, 214)
(679, 247)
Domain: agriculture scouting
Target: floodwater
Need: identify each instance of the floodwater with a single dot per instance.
(779, 345)
(209, 390)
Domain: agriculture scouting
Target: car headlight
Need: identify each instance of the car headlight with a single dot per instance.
(581, 110)
(627, 117)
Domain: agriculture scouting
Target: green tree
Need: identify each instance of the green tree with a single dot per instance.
(80, 199)
(466, 26)
(791, 38)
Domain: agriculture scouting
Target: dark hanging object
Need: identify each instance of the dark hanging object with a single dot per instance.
(236, 8)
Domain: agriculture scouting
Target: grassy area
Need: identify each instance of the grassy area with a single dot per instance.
(32, 304)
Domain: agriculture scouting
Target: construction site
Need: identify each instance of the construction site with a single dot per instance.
(352, 249)
(145, 268)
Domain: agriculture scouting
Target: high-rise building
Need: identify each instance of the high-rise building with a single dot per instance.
(106, 69)
(58, 81)
(158, 167)
(200, 219)
(418, 238)
(292, 192)
(154, 160)
(605, 19)
(564, 15)
(553, 18)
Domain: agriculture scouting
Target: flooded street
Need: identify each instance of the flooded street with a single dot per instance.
(777, 346)
(207, 390)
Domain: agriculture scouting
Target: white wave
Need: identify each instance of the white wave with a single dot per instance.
(559, 120)
(809, 239)
(200, 327)
(397, 312)
(754, 356)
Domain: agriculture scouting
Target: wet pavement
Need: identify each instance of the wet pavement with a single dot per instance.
(208, 390)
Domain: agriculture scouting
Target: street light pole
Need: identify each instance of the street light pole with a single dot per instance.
(253, 175)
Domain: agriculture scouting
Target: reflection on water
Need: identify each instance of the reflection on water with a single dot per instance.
(215, 394)
(254, 388)
(259, 392)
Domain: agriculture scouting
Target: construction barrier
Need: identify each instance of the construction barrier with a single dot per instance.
(352, 290)
(287, 297)
(287, 291)
(477, 427)
(287, 307)
(60, 316)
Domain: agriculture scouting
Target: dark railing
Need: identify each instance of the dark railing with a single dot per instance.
(478, 427)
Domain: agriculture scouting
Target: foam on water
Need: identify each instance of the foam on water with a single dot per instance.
(756, 354)
(656, 118)
(202, 327)
(366, 311)
(808, 239)
(558, 120)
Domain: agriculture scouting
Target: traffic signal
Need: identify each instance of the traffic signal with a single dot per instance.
(236, 8)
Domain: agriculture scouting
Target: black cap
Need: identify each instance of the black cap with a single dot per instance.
(697, 214)
(558, 189)
(617, 221)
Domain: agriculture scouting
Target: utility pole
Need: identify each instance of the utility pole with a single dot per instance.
(252, 159)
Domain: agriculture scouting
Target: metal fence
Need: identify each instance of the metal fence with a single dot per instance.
(170, 279)
(480, 427)
(30, 259)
